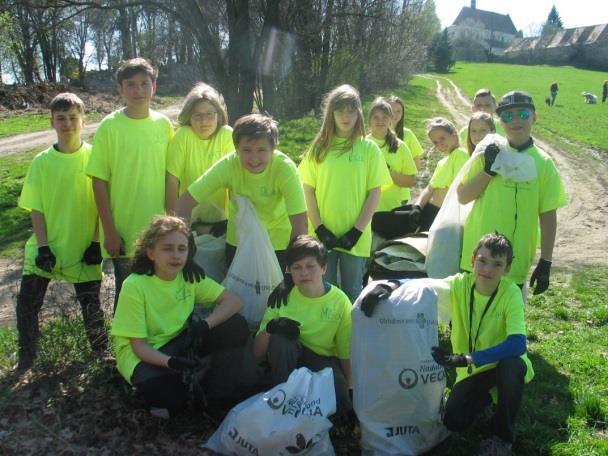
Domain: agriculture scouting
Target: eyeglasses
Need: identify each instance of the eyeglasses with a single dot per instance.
(199, 116)
(523, 114)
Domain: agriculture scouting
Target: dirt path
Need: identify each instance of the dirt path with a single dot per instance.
(41, 139)
(582, 231)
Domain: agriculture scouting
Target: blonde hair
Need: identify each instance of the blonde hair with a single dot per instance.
(488, 119)
(341, 97)
(161, 226)
(203, 92)
(382, 105)
(66, 100)
(440, 123)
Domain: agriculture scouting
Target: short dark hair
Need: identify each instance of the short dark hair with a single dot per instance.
(256, 126)
(131, 67)
(497, 244)
(303, 246)
(66, 100)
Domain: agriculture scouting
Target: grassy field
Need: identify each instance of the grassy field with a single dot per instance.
(570, 117)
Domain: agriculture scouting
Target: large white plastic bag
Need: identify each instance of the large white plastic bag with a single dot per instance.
(211, 255)
(255, 270)
(291, 418)
(397, 386)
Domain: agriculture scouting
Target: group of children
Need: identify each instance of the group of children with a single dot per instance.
(138, 169)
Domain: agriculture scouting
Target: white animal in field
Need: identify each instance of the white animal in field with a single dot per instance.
(589, 98)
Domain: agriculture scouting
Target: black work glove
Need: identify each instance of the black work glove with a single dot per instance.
(350, 238)
(45, 260)
(279, 295)
(540, 276)
(285, 327)
(328, 238)
(219, 228)
(448, 359)
(490, 155)
(192, 272)
(180, 364)
(198, 330)
(92, 255)
(369, 302)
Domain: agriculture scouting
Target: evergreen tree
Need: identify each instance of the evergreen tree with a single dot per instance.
(442, 52)
(553, 23)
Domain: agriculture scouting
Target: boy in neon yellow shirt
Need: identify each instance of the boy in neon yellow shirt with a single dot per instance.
(516, 209)
(64, 245)
(309, 324)
(128, 165)
(267, 177)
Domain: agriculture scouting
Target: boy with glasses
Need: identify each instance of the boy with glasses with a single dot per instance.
(516, 209)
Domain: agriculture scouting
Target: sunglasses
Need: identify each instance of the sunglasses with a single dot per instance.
(507, 116)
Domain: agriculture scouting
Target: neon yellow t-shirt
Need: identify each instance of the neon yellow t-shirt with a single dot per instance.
(341, 182)
(57, 186)
(401, 162)
(157, 310)
(504, 318)
(130, 155)
(189, 157)
(325, 322)
(464, 132)
(512, 209)
(447, 168)
(410, 140)
(276, 193)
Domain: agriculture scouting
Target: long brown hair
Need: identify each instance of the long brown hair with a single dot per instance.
(382, 105)
(400, 125)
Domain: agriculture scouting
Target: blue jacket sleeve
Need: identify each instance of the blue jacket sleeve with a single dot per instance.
(514, 345)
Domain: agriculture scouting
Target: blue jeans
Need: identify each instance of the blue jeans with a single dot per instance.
(352, 269)
(121, 272)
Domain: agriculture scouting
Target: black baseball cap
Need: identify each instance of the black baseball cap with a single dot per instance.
(515, 99)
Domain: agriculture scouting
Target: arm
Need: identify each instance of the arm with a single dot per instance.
(548, 228)
(425, 196)
(299, 224)
(112, 241)
(171, 193)
(345, 364)
(403, 180)
(371, 202)
(144, 351)
(312, 206)
(39, 227)
(185, 204)
(417, 161)
(260, 344)
(514, 345)
(472, 189)
(226, 305)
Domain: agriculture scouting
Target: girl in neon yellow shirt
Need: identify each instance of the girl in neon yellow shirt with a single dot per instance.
(480, 125)
(403, 133)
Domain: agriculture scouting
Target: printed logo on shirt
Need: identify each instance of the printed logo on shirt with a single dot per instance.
(183, 293)
(329, 314)
(355, 156)
(267, 192)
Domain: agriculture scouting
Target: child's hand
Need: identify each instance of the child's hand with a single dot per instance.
(328, 238)
(369, 302)
(447, 359)
(179, 363)
(45, 260)
(540, 276)
(348, 240)
(279, 295)
(92, 255)
(489, 156)
(114, 244)
(284, 326)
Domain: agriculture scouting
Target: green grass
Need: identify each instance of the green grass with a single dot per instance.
(570, 117)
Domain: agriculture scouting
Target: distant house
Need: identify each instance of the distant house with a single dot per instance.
(587, 46)
(491, 32)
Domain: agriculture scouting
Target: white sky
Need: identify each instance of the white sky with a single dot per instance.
(528, 14)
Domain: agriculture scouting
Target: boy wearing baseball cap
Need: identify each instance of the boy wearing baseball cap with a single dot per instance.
(516, 209)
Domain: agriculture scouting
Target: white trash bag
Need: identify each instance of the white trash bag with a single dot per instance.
(255, 270)
(291, 418)
(211, 255)
(397, 386)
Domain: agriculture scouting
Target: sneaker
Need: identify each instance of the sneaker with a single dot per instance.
(494, 446)
(161, 413)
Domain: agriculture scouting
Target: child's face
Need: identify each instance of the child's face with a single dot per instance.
(307, 273)
(379, 123)
(169, 255)
(478, 130)
(488, 269)
(519, 128)
(345, 120)
(397, 113)
(137, 90)
(255, 154)
(484, 104)
(443, 141)
(203, 119)
(68, 124)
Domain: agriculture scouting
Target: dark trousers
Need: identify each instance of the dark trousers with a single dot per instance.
(427, 216)
(231, 251)
(470, 396)
(165, 388)
(122, 269)
(30, 300)
(285, 355)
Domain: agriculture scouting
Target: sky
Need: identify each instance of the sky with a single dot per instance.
(527, 15)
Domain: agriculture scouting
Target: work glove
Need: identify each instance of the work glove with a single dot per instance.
(350, 238)
(92, 254)
(218, 229)
(45, 260)
(328, 238)
(279, 295)
(369, 302)
(490, 155)
(448, 359)
(192, 272)
(180, 364)
(540, 276)
(284, 326)
(414, 214)
(198, 331)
